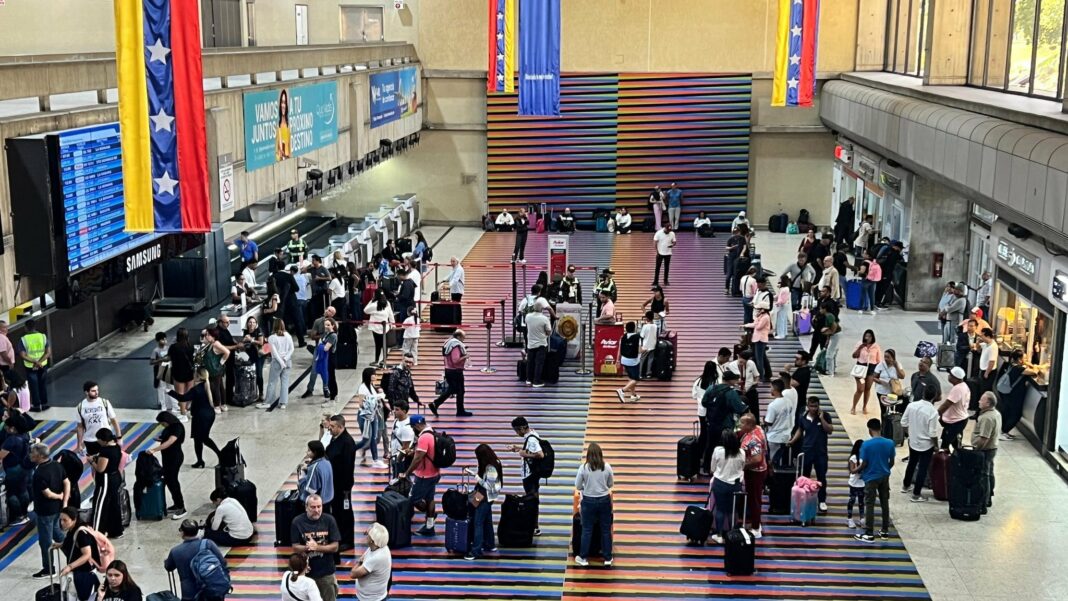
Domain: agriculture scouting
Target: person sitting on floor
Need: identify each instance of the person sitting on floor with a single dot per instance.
(565, 222)
(702, 225)
(623, 221)
(505, 222)
(228, 525)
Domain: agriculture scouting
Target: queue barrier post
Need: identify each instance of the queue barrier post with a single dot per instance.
(488, 369)
(583, 370)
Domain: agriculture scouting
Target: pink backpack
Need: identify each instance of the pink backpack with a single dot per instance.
(104, 546)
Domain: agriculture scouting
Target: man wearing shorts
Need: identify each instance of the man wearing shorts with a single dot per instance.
(427, 475)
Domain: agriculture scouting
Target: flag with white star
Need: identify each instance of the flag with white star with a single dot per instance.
(794, 80)
(500, 72)
(161, 116)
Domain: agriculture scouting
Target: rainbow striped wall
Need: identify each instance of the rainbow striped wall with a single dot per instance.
(619, 135)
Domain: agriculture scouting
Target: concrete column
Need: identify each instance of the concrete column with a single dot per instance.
(101, 96)
(44, 103)
(947, 39)
(939, 225)
(871, 35)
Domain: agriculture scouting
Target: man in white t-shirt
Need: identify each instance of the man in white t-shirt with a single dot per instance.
(647, 336)
(374, 567)
(401, 439)
(665, 242)
(530, 451)
(94, 412)
(779, 419)
(988, 360)
(920, 423)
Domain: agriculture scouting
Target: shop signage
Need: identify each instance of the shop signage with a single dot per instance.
(890, 182)
(866, 168)
(1020, 261)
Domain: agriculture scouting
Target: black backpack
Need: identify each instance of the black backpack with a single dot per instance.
(72, 464)
(444, 449)
(803, 217)
(397, 384)
(543, 468)
(147, 469)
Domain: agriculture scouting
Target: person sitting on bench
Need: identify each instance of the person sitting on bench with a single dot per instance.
(623, 221)
(228, 525)
(505, 222)
(565, 222)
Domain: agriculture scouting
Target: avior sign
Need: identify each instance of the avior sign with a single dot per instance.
(1017, 259)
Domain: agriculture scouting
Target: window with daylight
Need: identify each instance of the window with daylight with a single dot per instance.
(906, 31)
(1018, 46)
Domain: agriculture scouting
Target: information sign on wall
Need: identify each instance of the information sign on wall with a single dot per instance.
(394, 94)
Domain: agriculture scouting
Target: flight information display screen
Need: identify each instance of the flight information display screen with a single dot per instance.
(90, 165)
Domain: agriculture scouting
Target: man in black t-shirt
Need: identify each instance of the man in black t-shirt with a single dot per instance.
(316, 534)
(799, 374)
(51, 490)
(320, 281)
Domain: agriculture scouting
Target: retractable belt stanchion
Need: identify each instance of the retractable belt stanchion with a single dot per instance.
(582, 351)
(489, 369)
(504, 336)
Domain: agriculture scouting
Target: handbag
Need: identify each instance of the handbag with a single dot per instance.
(441, 387)
(860, 370)
(896, 388)
(1005, 385)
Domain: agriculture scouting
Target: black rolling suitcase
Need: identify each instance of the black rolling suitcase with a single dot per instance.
(394, 511)
(781, 482)
(739, 546)
(347, 344)
(287, 505)
(521, 370)
(688, 458)
(244, 492)
(967, 487)
(576, 538)
(447, 314)
(697, 522)
(550, 371)
(519, 517)
(664, 360)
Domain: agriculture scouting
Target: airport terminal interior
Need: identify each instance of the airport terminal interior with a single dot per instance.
(764, 299)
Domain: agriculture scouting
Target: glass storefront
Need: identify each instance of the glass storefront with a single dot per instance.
(1021, 323)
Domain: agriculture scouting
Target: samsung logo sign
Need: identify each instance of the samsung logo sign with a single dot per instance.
(143, 257)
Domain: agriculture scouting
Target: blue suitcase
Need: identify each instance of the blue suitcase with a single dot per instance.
(457, 535)
(150, 502)
(853, 291)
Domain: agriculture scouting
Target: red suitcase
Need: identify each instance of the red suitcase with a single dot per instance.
(940, 474)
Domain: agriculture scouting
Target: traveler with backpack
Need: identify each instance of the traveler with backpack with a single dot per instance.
(629, 353)
(200, 565)
(170, 449)
(50, 489)
(198, 398)
(215, 357)
(296, 586)
(648, 337)
(594, 482)
(532, 455)
(107, 512)
(455, 357)
(722, 405)
(82, 552)
(801, 275)
(659, 305)
(400, 439)
(489, 477)
(427, 473)
(94, 412)
(749, 376)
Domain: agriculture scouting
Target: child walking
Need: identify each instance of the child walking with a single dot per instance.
(856, 484)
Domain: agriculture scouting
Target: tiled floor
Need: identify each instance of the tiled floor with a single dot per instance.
(1016, 551)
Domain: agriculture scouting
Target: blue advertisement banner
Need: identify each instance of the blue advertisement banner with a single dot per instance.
(394, 94)
(539, 57)
(288, 122)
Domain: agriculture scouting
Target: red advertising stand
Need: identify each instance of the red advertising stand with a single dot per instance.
(557, 256)
(606, 350)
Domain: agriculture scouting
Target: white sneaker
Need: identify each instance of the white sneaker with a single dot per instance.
(851, 523)
(823, 507)
(608, 563)
(378, 464)
(620, 394)
(1004, 436)
(225, 407)
(183, 418)
(262, 405)
(716, 539)
(218, 411)
(758, 533)
(581, 561)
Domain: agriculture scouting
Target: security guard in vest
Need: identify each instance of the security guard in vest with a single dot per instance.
(35, 353)
(297, 247)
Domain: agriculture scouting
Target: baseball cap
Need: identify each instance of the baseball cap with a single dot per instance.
(957, 372)
(416, 419)
(607, 271)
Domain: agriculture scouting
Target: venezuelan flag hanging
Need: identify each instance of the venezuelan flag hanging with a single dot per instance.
(161, 116)
(795, 53)
(502, 44)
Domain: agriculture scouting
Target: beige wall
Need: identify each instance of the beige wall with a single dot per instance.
(790, 172)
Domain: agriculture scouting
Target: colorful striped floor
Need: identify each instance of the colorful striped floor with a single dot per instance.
(61, 435)
(821, 561)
